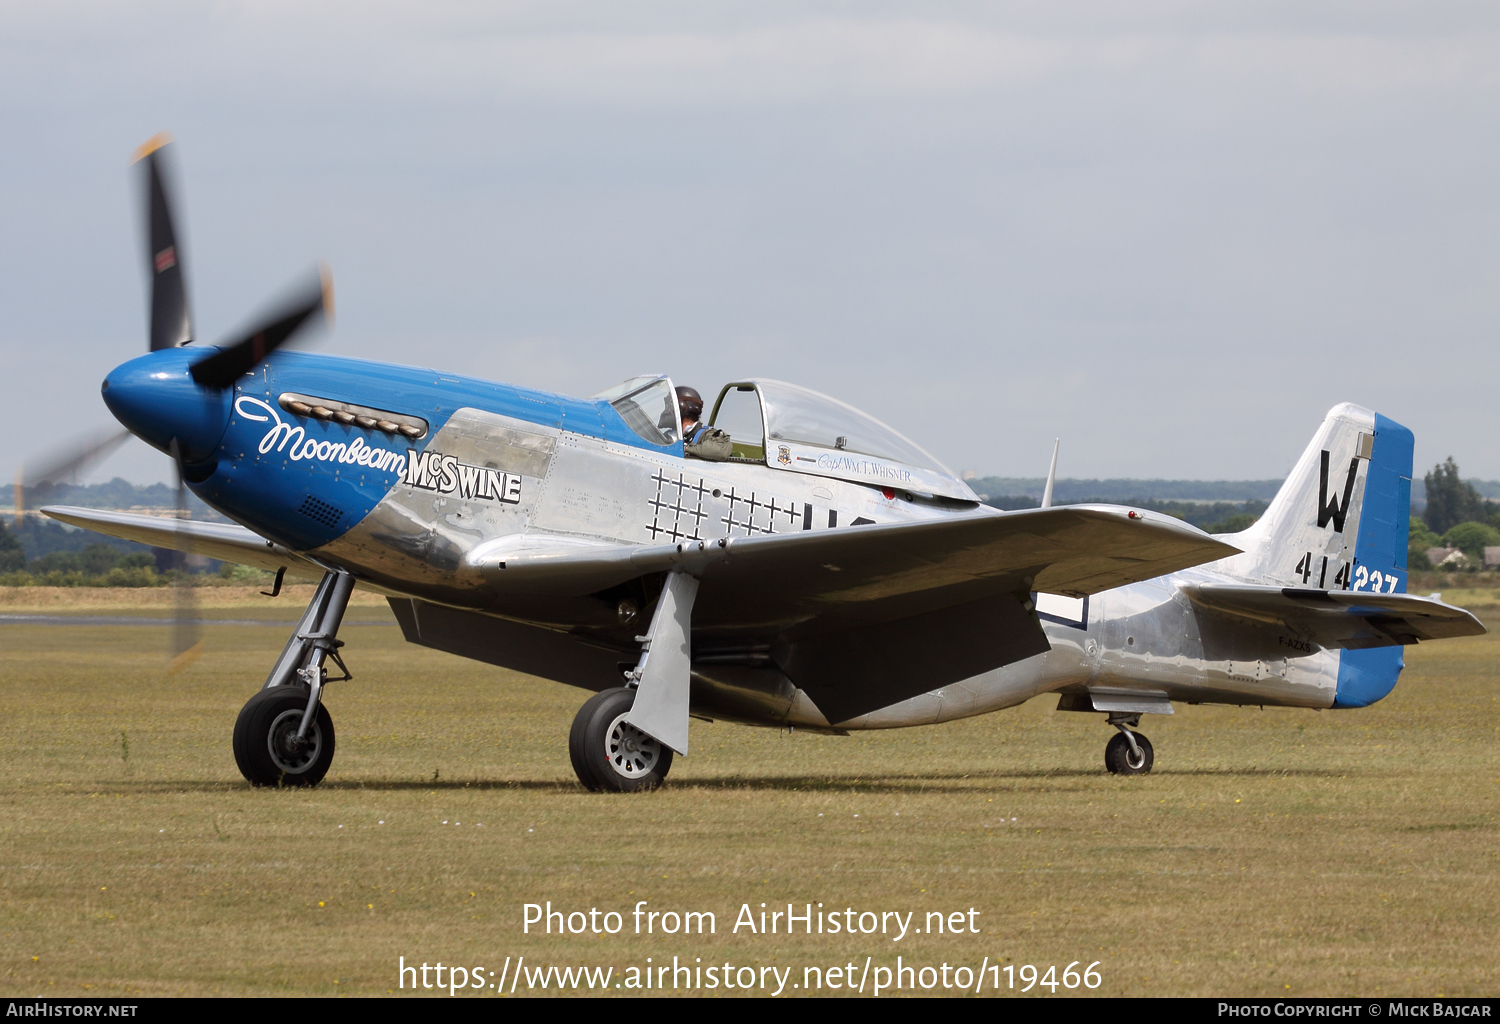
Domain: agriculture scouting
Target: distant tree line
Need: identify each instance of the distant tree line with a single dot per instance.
(118, 493)
(1209, 516)
(97, 563)
(1068, 491)
(1456, 515)
(44, 552)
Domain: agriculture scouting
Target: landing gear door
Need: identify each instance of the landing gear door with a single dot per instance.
(738, 413)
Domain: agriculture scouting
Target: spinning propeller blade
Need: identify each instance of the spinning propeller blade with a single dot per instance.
(171, 322)
(65, 461)
(74, 457)
(311, 303)
(187, 644)
(172, 327)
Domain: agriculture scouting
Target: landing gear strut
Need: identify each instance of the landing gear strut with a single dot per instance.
(284, 735)
(623, 739)
(1127, 752)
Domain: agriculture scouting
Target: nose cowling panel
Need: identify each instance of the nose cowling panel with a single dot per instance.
(157, 401)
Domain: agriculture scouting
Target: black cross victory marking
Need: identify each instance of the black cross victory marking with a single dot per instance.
(728, 520)
(658, 505)
(687, 503)
(771, 508)
(677, 509)
(750, 526)
(681, 509)
(697, 511)
(790, 511)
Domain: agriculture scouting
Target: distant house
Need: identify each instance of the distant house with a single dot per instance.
(1452, 558)
(1491, 557)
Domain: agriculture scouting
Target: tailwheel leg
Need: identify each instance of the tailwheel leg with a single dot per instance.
(284, 734)
(1128, 752)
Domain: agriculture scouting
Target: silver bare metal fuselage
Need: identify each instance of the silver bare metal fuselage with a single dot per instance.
(1145, 640)
(429, 542)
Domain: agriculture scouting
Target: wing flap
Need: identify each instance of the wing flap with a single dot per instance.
(1346, 619)
(228, 542)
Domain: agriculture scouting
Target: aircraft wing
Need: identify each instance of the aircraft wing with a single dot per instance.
(867, 616)
(228, 542)
(1074, 550)
(1338, 618)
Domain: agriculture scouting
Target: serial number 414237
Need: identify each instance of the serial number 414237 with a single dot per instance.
(1347, 576)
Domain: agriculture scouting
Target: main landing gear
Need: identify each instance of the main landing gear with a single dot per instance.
(623, 739)
(611, 755)
(284, 735)
(1127, 752)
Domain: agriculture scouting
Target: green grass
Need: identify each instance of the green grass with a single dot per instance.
(1272, 852)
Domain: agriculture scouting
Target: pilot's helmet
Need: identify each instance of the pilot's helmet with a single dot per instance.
(690, 402)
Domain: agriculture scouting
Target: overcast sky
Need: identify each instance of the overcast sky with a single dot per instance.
(1173, 234)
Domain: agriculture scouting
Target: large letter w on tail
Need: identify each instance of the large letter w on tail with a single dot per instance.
(1334, 509)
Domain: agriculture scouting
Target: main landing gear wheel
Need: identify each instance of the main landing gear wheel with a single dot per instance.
(611, 755)
(266, 746)
(1121, 760)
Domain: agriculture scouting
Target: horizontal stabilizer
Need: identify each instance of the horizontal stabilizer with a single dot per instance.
(228, 542)
(1339, 618)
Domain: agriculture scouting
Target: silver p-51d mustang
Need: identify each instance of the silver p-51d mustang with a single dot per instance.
(829, 575)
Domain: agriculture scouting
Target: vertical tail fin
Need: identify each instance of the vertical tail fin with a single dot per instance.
(1340, 520)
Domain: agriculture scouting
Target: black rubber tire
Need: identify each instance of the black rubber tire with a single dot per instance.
(1117, 755)
(281, 708)
(599, 760)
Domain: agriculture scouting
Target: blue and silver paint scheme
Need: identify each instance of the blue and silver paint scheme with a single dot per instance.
(1146, 645)
(486, 469)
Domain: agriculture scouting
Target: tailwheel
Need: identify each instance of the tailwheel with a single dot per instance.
(266, 743)
(611, 755)
(1128, 753)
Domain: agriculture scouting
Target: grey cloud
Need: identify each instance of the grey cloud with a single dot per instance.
(1173, 235)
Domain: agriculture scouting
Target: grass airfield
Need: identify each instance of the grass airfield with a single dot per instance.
(1273, 852)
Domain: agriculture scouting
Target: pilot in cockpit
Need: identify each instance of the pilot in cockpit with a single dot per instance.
(700, 440)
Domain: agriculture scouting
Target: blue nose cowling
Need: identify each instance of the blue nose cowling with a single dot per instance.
(157, 401)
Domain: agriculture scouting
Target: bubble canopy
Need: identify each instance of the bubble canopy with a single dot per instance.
(808, 432)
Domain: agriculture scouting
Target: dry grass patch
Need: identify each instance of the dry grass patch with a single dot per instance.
(162, 601)
(1273, 852)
